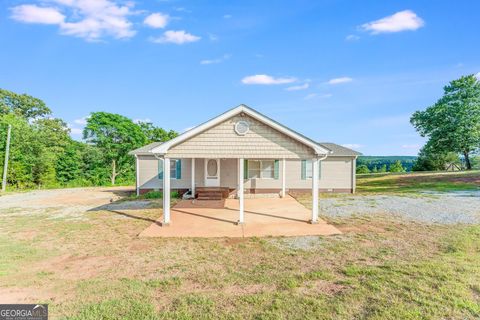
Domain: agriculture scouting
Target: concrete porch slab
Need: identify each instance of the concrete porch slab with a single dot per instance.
(263, 217)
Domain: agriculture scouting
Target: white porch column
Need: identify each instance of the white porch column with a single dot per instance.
(193, 178)
(241, 169)
(283, 178)
(137, 173)
(166, 191)
(314, 190)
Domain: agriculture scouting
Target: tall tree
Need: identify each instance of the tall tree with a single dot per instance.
(453, 123)
(22, 105)
(154, 134)
(115, 135)
(396, 167)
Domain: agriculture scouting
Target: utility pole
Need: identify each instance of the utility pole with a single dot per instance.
(5, 165)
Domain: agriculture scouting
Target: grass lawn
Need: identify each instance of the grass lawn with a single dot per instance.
(380, 268)
(415, 182)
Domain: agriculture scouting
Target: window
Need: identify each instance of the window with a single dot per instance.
(175, 169)
(307, 169)
(264, 169)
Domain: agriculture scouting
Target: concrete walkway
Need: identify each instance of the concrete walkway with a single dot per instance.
(263, 217)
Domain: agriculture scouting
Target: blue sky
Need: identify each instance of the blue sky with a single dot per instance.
(349, 72)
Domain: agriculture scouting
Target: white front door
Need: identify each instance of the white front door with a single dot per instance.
(212, 172)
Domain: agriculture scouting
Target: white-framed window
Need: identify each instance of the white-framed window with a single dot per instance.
(307, 169)
(263, 169)
(175, 169)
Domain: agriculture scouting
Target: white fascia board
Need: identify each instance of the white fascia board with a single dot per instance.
(163, 148)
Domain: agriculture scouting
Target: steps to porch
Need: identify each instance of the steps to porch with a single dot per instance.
(211, 193)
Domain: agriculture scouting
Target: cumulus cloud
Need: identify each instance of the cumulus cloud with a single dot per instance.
(340, 80)
(157, 20)
(177, 37)
(88, 19)
(218, 60)
(299, 87)
(33, 14)
(264, 79)
(406, 20)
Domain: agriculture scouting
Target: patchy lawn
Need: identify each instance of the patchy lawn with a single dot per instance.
(96, 267)
(415, 182)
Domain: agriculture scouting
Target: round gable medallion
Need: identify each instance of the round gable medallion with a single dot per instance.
(242, 127)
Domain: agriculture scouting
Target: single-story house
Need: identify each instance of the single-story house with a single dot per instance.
(243, 152)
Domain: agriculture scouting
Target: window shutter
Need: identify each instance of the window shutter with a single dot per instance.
(179, 168)
(245, 169)
(304, 169)
(160, 169)
(275, 170)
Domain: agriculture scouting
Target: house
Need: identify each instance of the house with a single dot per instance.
(243, 152)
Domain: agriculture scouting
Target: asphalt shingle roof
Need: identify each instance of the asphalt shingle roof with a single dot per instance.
(145, 150)
(339, 151)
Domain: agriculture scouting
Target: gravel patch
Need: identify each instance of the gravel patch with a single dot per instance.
(443, 208)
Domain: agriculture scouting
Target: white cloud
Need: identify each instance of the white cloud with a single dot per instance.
(340, 80)
(478, 76)
(218, 60)
(352, 37)
(266, 80)
(352, 145)
(33, 14)
(406, 20)
(81, 121)
(157, 20)
(177, 37)
(299, 87)
(212, 37)
(88, 19)
(326, 95)
(76, 131)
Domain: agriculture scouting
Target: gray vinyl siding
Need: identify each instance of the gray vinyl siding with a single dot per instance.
(261, 142)
(336, 173)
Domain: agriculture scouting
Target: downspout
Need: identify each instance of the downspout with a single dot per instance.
(137, 176)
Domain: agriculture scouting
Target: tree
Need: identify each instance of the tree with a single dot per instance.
(453, 123)
(397, 167)
(154, 134)
(22, 105)
(362, 169)
(383, 168)
(115, 135)
(430, 160)
(375, 169)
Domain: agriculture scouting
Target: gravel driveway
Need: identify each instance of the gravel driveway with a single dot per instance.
(445, 208)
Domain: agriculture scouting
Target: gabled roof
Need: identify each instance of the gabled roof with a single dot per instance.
(339, 151)
(164, 147)
(145, 150)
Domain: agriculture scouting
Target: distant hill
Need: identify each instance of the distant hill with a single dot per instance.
(372, 161)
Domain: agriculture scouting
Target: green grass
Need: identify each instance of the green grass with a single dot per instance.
(415, 182)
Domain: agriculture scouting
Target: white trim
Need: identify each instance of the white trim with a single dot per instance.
(193, 177)
(164, 147)
(283, 178)
(315, 190)
(241, 215)
(166, 192)
(137, 178)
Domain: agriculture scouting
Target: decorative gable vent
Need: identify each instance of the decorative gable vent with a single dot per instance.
(242, 127)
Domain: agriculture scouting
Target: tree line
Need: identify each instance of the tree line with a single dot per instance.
(42, 153)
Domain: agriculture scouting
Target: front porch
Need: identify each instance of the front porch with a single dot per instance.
(218, 218)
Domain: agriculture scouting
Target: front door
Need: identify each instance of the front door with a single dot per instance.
(212, 172)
